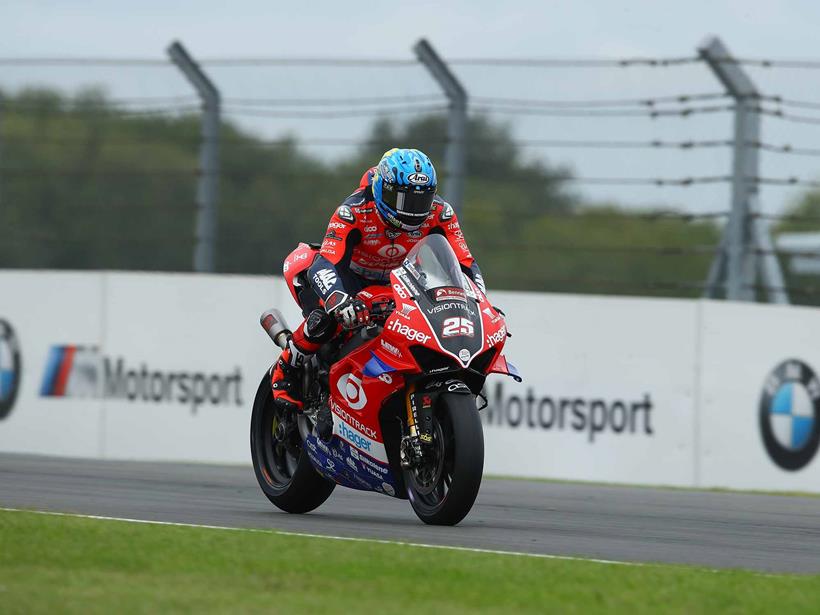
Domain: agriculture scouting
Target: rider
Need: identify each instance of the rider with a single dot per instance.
(368, 236)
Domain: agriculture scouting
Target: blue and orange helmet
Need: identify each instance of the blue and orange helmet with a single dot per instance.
(404, 187)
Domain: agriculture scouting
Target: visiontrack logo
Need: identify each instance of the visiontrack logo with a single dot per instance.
(80, 371)
(10, 366)
(593, 416)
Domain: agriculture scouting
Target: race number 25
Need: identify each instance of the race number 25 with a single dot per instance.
(454, 327)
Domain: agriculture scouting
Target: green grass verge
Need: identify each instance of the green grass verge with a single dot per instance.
(74, 565)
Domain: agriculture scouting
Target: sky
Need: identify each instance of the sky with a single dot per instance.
(460, 29)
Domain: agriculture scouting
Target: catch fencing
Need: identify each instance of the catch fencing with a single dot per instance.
(82, 184)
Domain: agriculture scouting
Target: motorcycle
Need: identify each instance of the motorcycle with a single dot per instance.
(402, 394)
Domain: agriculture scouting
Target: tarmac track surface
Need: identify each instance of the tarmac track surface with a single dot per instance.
(761, 532)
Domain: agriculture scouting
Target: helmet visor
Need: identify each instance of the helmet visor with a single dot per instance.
(410, 204)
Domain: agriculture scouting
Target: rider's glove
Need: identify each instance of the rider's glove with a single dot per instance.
(351, 313)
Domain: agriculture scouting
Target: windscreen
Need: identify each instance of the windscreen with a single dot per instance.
(433, 264)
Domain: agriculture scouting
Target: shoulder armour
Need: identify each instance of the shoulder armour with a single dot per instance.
(345, 213)
(446, 211)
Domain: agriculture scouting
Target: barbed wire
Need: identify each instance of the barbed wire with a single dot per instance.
(613, 181)
(532, 62)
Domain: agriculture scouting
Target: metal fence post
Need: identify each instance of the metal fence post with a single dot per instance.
(208, 182)
(454, 156)
(736, 265)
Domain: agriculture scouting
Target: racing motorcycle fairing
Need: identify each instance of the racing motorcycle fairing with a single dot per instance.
(443, 336)
(502, 366)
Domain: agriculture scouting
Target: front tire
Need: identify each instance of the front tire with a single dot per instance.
(281, 465)
(443, 491)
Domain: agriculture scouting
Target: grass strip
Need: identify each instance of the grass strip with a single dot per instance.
(76, 565)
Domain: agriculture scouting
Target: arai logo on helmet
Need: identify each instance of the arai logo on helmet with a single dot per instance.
(419, 179)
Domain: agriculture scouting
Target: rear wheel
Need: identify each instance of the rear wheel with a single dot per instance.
(442, 490)
(282, 467)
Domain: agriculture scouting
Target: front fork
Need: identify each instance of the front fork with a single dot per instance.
(419, 407)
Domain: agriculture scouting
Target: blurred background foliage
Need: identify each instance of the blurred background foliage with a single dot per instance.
(87, 185)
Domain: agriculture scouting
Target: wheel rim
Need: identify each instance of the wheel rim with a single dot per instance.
(430, 483)
(280, 445)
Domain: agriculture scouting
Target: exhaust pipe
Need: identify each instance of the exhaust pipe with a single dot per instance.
(275, 326)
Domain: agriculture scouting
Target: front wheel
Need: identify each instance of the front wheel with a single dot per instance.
(443, 489)
(282, 467)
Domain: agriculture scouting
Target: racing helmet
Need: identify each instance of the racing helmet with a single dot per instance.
(404, 186)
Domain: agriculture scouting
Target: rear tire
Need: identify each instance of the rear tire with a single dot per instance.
(281, 464)
(443, 492)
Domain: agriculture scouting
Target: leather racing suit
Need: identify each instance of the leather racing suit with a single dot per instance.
(359, 249)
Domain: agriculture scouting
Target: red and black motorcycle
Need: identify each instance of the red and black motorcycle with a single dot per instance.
(402, 393)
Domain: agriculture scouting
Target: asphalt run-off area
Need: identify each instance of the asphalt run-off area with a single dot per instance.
(770, 533)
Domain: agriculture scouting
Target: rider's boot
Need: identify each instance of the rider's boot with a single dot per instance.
(286, 376)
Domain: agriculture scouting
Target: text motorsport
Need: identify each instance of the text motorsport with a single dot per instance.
(80, 371)
(594, 416)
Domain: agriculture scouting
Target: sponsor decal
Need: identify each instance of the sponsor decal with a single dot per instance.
(789, 414)
(399, 290)
(352, 463)
(352, 421)
(457, 327)
(75, 371)
(390, 348)
(388, 489)
(418, 179)
(493, 315)
(333, 236)
(411, 268)
(594, 416)
(464, 355)
(372, 242)
(386, 378)
(10, 368)
(392, 251)
(371, 229)
(411, 334)
(336, 225)
(450, 293)
(406, 310)
(354, 437)
(453, 305)
(497, 337)
(457, 386)
(392, 234)
(351, 390)
(324, 279)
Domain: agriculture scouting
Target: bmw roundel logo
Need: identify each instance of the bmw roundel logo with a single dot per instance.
(790, 414)
(9, 368)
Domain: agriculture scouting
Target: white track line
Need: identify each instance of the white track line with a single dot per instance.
(325, 537)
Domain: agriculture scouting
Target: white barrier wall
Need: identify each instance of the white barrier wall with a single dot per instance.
(608, 392)
(650, 391)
